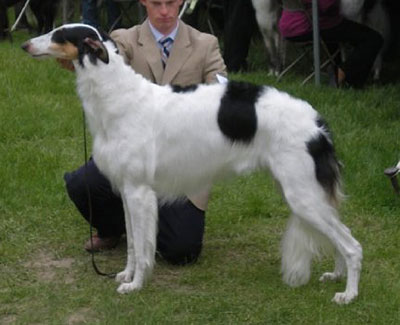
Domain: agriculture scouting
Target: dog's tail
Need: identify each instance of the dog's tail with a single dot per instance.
(300, 244)
(327, 166)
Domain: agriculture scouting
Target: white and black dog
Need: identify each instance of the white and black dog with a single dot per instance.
(267, 16)
(162, 141)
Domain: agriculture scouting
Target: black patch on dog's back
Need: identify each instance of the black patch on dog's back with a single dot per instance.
(237, 116)
(183, 89)
(327, 167)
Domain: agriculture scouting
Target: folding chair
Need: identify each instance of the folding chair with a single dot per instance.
(305, 50)
(307, 47)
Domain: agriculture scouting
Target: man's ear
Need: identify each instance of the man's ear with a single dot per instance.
(97, 49)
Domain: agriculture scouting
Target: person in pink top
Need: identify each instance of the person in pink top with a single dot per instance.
(295, 25)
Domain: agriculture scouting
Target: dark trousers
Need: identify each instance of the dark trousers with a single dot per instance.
(240, 24)
(180, 224)
(90, 14)
(366, 44)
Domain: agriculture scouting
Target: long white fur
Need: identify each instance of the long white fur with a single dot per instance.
(151, 142)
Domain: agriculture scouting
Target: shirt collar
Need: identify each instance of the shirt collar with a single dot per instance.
(158, 36)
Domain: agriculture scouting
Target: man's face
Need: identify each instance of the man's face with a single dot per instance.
(163, 14)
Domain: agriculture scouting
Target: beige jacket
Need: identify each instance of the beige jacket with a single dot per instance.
(194, 58)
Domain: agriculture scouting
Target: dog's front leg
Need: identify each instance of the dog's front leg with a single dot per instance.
(141, 206)
(126, 275)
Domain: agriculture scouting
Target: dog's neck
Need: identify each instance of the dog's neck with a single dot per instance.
(108, 90)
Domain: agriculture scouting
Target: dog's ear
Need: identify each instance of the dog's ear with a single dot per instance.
(96, 49)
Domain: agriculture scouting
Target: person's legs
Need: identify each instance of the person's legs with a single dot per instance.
(180, 232)
(106, 206)
(113, 15)
(89, 13)
(180, 225)
(4, 32)
(366, 44)
(240, 23)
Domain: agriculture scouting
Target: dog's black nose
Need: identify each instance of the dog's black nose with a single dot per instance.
(25, 46)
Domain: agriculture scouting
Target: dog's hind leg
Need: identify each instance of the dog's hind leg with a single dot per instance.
(309, 202)
(300, 244)
(141, 203)
(297, 253)
(338, 272)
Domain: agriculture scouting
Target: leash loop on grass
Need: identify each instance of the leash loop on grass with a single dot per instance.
(110, 275)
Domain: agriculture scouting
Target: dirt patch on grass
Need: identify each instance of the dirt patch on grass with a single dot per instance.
(166, 278)
(81, 316)
(46, 267)
(6, 320)
(170, 278)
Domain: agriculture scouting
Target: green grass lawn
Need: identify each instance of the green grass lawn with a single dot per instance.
(46, 277)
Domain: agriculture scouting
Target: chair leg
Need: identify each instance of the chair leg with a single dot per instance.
(330, 60)
(290, 66)
(115, 23)
(307, 48)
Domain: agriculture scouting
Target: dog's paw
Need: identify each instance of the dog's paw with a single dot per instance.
(343, 298)
(330, 276)
(124, 276)
(128, 287)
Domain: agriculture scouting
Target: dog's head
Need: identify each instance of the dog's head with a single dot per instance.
(71, 42)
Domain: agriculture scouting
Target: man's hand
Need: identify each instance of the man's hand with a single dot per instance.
(66, 64)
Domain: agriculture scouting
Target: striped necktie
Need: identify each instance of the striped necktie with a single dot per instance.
(166, 44)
